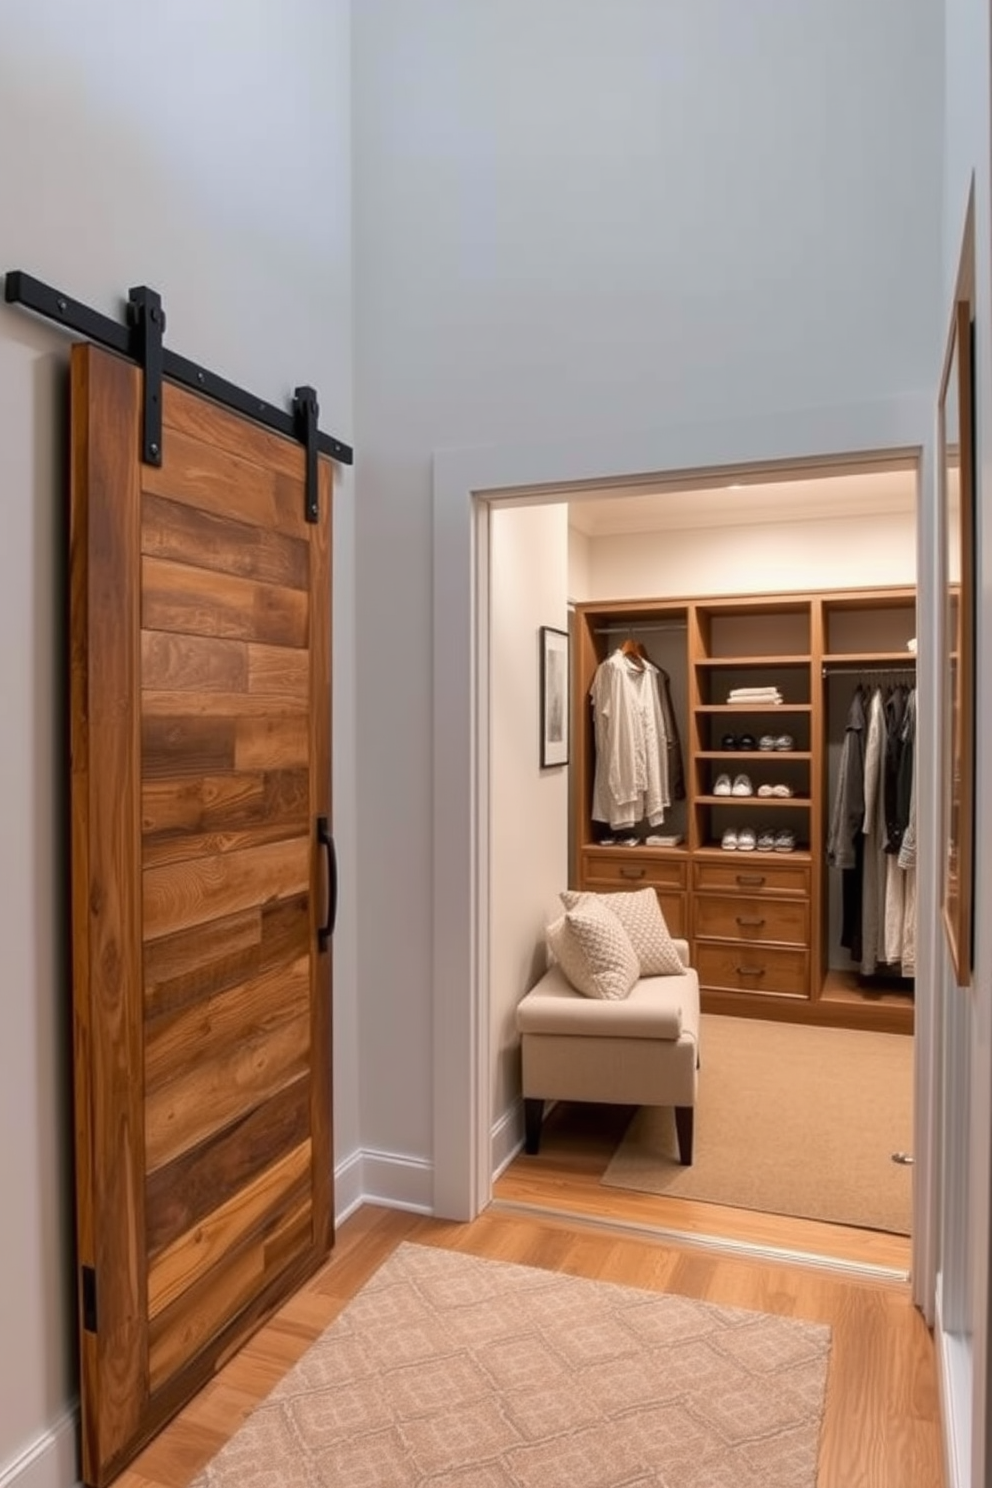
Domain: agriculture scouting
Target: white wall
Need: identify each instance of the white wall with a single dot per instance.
(966, 147)
(528, 805)
(203, 151)
(822, 553)
(593, 219)
(579, 566)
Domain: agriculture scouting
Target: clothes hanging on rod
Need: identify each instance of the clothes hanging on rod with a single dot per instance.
(872, 837)
(631, 780)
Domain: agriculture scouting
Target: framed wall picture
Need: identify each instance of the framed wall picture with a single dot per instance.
(554, 697)
(956, 466)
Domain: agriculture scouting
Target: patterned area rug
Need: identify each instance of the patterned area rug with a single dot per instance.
(455, 1372)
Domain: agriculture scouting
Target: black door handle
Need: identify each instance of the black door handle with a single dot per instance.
(325, 840)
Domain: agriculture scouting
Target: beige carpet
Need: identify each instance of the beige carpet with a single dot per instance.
(454, 1372)
(790, 1120)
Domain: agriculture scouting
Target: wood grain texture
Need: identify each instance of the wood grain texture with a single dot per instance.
(187, 534)
(236, 1220)
(106, 898)
(205, 1097)
(179, 895)
(206, 959)
(279, 671)
(881, 1427)
(223, 803)
(205, 1308)
(226, 482)
(187, 413)
(192, 664)
(186, 746)
(179, 1195)
(197, 602)
(178, 1042)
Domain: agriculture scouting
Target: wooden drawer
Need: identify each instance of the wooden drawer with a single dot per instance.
(635, 868)
(784, 921)
(673, 907)
(757, 969)
(760, 876)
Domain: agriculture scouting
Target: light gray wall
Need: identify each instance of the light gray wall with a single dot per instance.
(204, 150)
(611, 217)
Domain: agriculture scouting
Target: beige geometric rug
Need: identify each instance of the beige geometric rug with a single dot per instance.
(455, 1372)
(789, 1120)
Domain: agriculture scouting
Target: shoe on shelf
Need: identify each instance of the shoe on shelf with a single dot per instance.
(742, 786)
(781, 790)
(747, 742)
(729, 741)
(767, 741)
(766, 841)
(729, 840)
(785, 742)
(766, 790)
(785, 842)
(721, 785)
(746, 840)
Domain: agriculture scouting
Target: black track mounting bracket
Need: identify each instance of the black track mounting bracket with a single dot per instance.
(306, 412)
(146, 318)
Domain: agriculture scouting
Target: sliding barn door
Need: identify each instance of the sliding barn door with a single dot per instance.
(202, 886)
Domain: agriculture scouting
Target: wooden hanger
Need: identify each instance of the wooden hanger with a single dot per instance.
(636, 652)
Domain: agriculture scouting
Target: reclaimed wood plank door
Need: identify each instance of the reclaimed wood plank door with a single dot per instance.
(202, 881)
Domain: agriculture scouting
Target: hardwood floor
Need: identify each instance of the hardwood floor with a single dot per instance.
(881, 1427)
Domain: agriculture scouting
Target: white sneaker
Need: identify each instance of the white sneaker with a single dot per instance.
(742, 786)
(746, 840)
(729, 840)
(781, 790)
(721, 785)
(766, 790)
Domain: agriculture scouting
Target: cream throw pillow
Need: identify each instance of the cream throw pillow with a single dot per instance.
(640, 915)
(594, 951)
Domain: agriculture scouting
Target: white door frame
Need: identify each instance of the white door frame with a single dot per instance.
(465, 482)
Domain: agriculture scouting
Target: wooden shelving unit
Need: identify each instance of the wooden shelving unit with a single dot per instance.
(757, 921)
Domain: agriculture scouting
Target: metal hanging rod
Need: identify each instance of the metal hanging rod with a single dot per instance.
(139, 339)
(869, 671)
(649, 628)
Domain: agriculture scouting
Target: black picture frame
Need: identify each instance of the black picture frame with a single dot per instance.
(554, 697)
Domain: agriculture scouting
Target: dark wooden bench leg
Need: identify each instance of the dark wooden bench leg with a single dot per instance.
(683, 1130)
(533, 1116)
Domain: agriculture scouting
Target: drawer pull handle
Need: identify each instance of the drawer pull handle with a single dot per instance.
(754, 921)
(751, 878)
(750, 971)
(632, 872)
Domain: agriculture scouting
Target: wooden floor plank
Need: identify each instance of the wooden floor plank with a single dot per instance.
(881, 1427)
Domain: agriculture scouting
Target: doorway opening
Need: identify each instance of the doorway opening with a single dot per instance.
(731, 557)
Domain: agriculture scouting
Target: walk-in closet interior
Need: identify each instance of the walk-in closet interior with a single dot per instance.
(777, 621)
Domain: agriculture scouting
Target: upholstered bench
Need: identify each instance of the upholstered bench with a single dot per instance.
(642, 1049)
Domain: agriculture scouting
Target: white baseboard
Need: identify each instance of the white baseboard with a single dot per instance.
(506, 1138)
(51, 1461)
(398, 1182)
(348, 1195)
(954, 1380)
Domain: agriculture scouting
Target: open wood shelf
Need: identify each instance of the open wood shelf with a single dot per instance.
(784, 640)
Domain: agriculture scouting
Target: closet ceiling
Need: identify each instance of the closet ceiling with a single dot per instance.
(607, 512)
